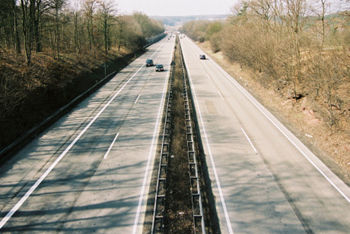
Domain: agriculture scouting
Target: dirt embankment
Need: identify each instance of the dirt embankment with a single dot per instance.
(30, 94)
(301, 116)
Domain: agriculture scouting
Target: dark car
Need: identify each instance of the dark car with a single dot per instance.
(159, 67)
(202, 56)
(149, 62)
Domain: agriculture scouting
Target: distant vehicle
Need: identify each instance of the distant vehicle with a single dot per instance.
(159, 67)
(149, 63)
(202, 56)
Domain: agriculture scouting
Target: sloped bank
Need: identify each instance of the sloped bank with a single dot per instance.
(299, 115)
(47, 90)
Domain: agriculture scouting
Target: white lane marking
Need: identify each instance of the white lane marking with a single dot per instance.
(155, 134)
(110, 147)
(209, 77)
(249, 140)
(137, 98)
(38, 182)
(228, 222)
(290, 140)
(221, 95)
(148, 77)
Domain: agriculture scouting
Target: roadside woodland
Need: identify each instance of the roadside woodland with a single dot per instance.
(298, 54)
(53, 50)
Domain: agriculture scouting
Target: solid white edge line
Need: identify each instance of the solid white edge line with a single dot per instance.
(221, 95)
(290, 140)
(228, 222)
(110, 147)
(137, 98)
(38, 182)
(150, 155)
(249, 140)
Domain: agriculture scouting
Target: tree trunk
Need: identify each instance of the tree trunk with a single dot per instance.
(76, 32)
(106, 34)
(16, 39)
(37, 35)
(27, 27)
(57, 33)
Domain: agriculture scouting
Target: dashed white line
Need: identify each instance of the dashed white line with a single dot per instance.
(147, 170)
(38, 182)
(208, 77)
(223, 203)
(248, 96)
(249, 140)
(137, 98)
(110, 147)
(221, 95)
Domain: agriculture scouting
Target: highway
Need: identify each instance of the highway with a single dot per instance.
(90, 171)
(264, 179)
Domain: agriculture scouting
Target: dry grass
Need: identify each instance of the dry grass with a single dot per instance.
(178, 206)
(304, 117)
(29, 94)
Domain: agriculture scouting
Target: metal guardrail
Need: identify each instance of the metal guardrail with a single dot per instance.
(152, 40)
(160, 196)
(29, 135)
(159, 202)
(197, 207)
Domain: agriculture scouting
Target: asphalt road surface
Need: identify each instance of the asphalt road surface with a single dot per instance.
(264, 179)
(90, 172)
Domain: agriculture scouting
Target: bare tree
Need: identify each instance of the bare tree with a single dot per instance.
(76, 31)
(322, 16)
(16, 39)
(28, 8)
(41, 7)
(56, 6)
(148, 26)
(294, 15)
(89, 10)
(108, 10)
(121, 28)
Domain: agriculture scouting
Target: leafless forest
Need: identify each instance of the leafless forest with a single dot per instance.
(300, 50)
(50, 49)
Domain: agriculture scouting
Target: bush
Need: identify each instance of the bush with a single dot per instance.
(215, 42)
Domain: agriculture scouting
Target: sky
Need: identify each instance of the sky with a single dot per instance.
(176, 7)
